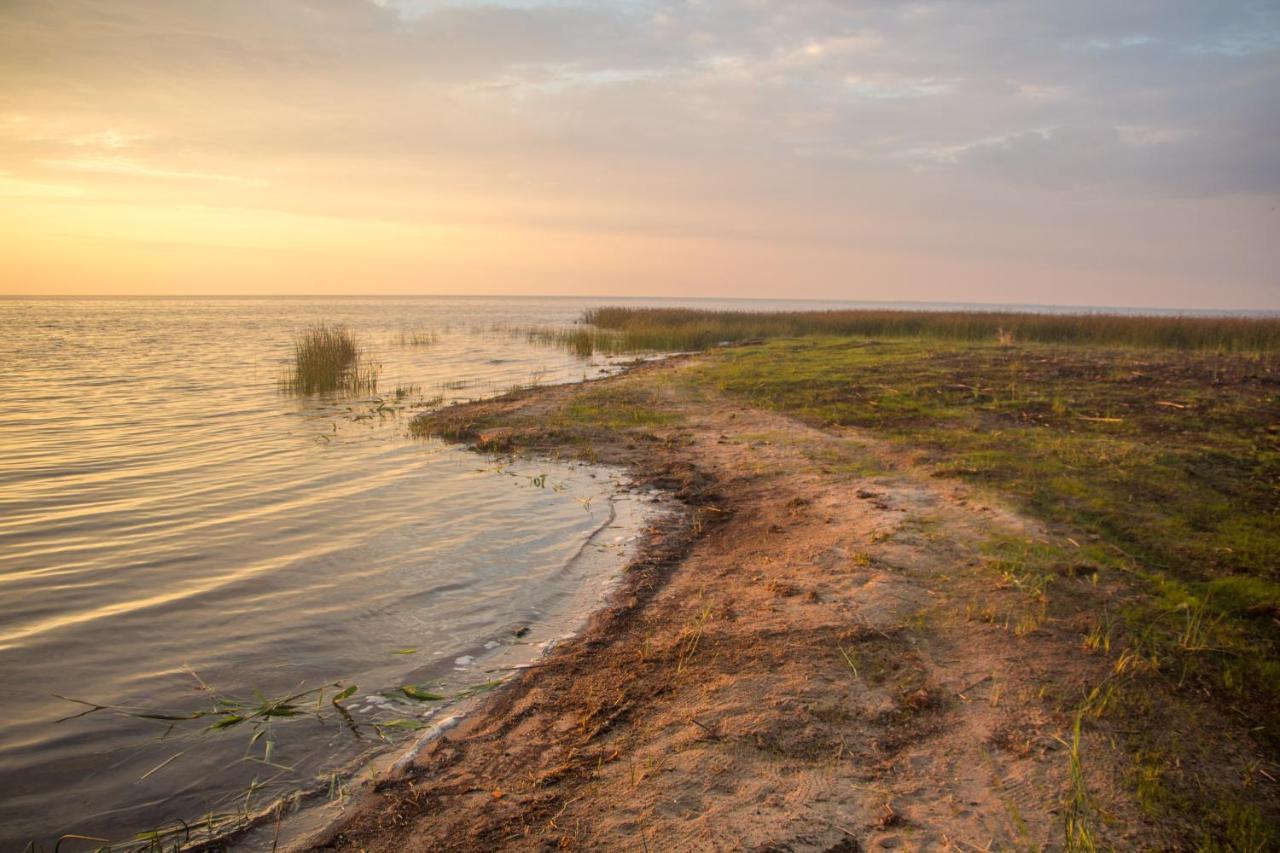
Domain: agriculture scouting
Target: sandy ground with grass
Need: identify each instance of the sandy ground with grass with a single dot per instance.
(817, 656)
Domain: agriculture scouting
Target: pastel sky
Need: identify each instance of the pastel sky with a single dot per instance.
(1029, 151)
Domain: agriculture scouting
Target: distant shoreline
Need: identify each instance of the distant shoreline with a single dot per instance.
(908, 305)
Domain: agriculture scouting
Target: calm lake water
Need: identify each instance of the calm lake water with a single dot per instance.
(173, 528)
(165, 510)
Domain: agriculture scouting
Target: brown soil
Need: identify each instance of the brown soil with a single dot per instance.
(809, 659)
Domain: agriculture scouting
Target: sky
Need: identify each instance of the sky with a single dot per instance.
(1011, 151)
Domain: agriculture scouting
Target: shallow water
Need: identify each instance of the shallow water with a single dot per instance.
(163, 505)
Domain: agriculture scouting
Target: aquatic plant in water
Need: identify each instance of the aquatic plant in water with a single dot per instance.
(418, 337)
(326, 704)
(327, 359)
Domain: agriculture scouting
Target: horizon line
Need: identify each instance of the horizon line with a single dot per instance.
(1084, 308)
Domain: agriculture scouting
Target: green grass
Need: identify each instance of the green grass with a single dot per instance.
(1170, 461)
(1078, 815)
(614, 408)
(328, 359)
(1163, 468)
(620, 329)
(624, 405)
(259, 718)
(1244, 829)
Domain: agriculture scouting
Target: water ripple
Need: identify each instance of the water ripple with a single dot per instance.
(162, 503)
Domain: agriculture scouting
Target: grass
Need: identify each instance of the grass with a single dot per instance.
(223, 712)
(1167, 463)
(626, 405)
(1078, 814)
(617, 329)
(1164, 453)
(328, 359)
(581, 340)
(690, 637)
(1162, 469)
(418, 337)
(1245, 832)
(613, 408)
(258, 717)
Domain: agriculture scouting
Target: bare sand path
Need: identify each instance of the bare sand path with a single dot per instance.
(818, 656)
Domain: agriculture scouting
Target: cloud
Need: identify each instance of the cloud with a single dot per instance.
(658, 115)
(379, 79)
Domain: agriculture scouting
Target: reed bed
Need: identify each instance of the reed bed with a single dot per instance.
(328, 359)
(581, 340)
(419, 337)
(623, 329)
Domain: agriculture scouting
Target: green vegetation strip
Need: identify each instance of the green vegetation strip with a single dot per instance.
(620, 329)
(1169, 463)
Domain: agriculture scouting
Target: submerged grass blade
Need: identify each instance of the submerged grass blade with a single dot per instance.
(415, 692)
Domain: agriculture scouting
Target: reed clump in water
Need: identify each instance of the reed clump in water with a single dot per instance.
(326, 359)
(419, 337)
(624, 329)
(581, 340)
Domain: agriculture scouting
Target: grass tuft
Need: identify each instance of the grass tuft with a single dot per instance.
(327, 359)
(1078, 816)
(418, 337)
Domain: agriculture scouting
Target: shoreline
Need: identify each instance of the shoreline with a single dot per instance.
(296, 820)
(554, 742)
(274, 542)
(662, 545)
(834, 654)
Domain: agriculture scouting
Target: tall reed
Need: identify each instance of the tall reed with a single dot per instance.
(583, 341)
(418, 337)
(326, 359)
(672, 329)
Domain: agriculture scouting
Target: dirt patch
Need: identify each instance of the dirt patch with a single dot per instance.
(803, 661)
